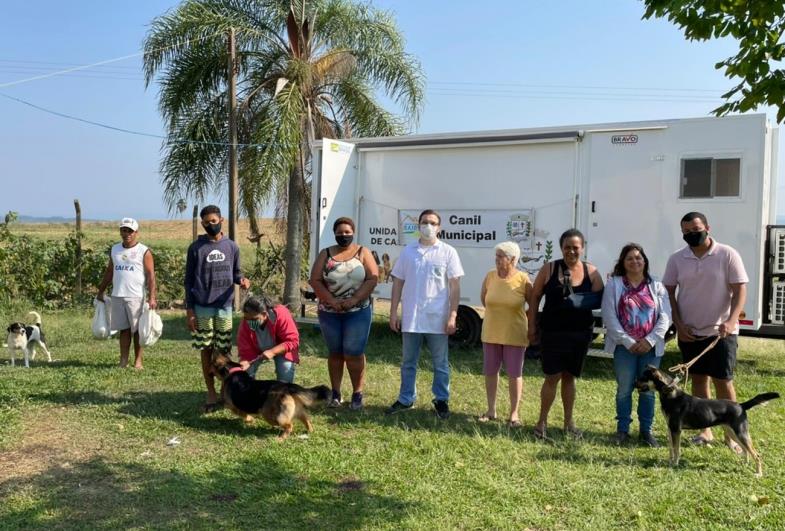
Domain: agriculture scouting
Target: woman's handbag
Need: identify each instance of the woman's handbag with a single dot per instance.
(591, 300)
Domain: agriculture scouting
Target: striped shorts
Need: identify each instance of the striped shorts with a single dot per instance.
(213, 329)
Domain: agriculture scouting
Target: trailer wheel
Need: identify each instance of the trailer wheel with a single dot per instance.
(468, 327)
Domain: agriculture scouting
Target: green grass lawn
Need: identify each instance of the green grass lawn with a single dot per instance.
(83, 444)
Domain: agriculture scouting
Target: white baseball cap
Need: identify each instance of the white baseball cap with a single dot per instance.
(129, 223)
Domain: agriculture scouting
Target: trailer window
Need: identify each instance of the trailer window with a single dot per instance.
(710, 177)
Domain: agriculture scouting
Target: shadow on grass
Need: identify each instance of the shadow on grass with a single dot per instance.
(566, 453)
(422, 417)
(75, 398)
(81, 364)
(250, 493)
(185, 407)
(182, 407)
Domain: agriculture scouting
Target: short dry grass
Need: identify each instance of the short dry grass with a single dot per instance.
(83, 445)
(169, 233)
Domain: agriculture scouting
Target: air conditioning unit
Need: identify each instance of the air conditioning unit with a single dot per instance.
(778, 251)
(777, 302)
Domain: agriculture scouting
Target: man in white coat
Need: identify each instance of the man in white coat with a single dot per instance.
(427, 278)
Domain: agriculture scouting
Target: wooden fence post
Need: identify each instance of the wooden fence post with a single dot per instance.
(78, 287)
(194, 223)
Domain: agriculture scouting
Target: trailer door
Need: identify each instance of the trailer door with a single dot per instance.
(626, 192)
(334, 190)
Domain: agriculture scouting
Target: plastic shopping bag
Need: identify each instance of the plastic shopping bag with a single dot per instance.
(150, 326)
(101, 318)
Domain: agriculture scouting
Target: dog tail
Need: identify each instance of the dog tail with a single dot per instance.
(34, 318)
(759, 400)
(309, 395)
(320, 392)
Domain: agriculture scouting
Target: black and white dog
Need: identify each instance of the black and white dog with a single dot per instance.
(26, 338)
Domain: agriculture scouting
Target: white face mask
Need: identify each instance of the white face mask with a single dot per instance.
(428, 232)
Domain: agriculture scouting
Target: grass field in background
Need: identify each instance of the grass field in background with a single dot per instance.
(83, 445)
(156, 234)
(169, 233)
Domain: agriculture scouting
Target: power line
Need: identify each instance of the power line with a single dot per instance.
(27, 61)
(571, 96)
(93, 65)
(122, 129)
(590, 87)
(67, 70)
(77, 75)
(78, 119)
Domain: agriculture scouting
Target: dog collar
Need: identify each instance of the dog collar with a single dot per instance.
(235, 369)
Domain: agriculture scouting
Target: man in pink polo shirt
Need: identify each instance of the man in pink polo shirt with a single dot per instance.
(707, 285)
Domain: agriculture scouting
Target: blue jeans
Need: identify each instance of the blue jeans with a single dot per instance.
(628, 368)
(284, 369)
(437, 344)
(346, 332)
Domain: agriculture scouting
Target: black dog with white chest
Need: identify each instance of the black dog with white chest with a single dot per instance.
(685, 411)
(25, 338)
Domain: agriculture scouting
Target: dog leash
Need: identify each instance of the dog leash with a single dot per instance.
(685, 367)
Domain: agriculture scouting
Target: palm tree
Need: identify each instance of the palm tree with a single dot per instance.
(306, 69)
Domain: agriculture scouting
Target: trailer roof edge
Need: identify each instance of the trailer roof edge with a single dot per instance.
(534, 134)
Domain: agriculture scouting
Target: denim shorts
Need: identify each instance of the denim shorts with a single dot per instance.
(346, 332)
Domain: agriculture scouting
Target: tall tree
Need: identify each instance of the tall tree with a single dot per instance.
(307, 69)
(758, 27)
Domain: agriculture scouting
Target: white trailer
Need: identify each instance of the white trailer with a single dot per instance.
(617, 183)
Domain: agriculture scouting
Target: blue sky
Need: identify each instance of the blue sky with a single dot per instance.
(489, 65)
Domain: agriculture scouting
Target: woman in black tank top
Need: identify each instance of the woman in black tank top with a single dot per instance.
(565, 332)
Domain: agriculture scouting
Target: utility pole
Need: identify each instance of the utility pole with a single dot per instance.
(233, 152)
(232, 139)
(78, 287)
(194, 223)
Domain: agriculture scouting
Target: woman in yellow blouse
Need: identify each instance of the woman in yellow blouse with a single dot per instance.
(505, 328)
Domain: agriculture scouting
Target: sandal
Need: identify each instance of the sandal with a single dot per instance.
(735, 448)
(573, 432)
(540, 435)
(700, 440)
(486, 418)
(515, 424)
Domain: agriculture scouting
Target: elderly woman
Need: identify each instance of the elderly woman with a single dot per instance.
(504, 293)
(566, 330)
(343, 277)
(636, 313)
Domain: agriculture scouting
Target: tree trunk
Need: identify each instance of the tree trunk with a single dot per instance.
(294, 239)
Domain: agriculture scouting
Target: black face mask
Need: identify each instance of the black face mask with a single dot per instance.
(344, 240)
(212, 228)
(695, 239)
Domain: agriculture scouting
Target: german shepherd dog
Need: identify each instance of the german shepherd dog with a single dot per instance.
(685, 411)
(279, 403)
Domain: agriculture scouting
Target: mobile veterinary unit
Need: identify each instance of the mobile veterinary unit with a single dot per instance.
(616, 182)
